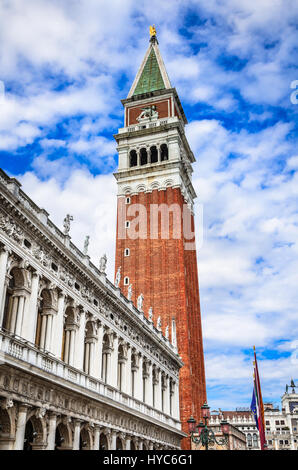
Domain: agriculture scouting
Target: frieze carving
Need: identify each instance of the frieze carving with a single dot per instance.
(8, 226)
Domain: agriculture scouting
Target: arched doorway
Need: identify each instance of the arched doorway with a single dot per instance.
(62, 438)
(6, 432)
(30, 435)
(103, 442)
(85, 440)
(119, 445)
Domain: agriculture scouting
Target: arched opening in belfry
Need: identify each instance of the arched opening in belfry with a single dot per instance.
(143, 156)
(133, 158)
(164, 154)
(153, 154)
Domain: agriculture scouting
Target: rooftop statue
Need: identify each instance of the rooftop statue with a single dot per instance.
(152, 31)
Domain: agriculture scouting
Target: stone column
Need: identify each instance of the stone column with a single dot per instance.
(98, 353)
(167, 396)
(48, 339)
(52, 431)
(66, 347)
(176, 405)
(158, 391)
(158, 153)
(13, 316)
(96, 438)
(72, 341)
(86, 357)
(3, 266)
(139, 380)
(92, 360)
(43, 330)
(58, 327)
(114, 363)
(113, 440)
(127, 372)
(127, 442)
(151, 446)
(76, 436)
(19, 321)
(149, 391)
(79, 343)
(30, 320)
(20, 427)
(140, 444)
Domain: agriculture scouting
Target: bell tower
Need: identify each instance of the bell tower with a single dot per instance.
(155, 245)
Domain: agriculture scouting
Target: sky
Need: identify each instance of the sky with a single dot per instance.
(65, 66)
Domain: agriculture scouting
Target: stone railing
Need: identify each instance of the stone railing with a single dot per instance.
(16, 349)
(147, 125)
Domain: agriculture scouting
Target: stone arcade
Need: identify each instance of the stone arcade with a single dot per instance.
(80, 366)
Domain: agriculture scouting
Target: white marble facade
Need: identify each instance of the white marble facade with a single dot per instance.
(80, 366)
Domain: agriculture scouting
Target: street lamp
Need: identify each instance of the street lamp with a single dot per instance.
(205, 435)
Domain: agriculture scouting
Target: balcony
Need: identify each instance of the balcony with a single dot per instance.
(148, 125)
(18, 352)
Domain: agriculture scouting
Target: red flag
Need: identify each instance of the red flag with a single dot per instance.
(259, 403)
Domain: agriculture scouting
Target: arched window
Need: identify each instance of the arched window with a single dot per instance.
(133, 158)
(119, 445)
(69, 335)
(153, 154)
(15, 300)
(255, 440)
(126, 252)
(89, 346)
(164, 155)
(8, 305)
(143, 156)
(47, 308)
(249, 440)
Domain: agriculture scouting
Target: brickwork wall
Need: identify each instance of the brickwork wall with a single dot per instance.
(163, 107)
(166, 273)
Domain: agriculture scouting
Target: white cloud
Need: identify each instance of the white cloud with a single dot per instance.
(69, 63)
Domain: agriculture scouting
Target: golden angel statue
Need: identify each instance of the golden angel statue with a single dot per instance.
(152, 31)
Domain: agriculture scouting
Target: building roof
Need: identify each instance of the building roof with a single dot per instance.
(152, 74)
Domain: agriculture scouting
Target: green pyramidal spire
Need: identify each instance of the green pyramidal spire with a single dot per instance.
(151, 78)
(152, 75)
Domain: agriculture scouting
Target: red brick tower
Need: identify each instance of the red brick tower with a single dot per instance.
(155, 245)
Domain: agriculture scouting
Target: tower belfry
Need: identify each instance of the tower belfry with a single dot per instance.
(155, 244)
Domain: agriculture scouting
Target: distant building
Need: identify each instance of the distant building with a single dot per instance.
(282, 426)
(236, 439)
(243, 421)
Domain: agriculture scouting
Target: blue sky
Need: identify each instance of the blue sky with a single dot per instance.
(66, 65)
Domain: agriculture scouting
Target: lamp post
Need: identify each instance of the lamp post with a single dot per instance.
(206, 435)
